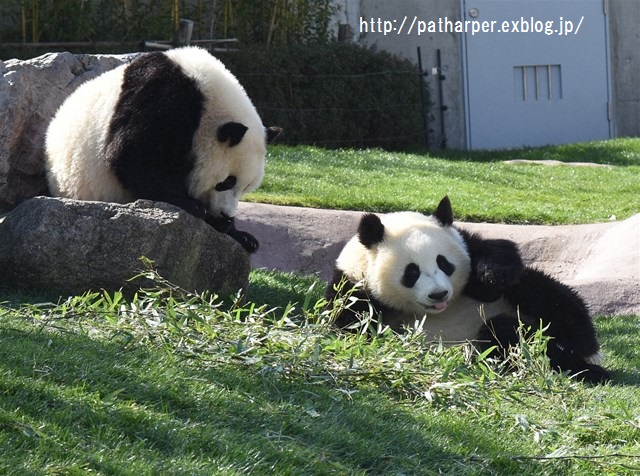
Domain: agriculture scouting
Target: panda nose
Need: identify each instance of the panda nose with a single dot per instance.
(439, 296)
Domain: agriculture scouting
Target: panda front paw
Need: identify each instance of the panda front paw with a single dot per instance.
(499, 264)
(226, 225)
(247, 240)
(496, 265)
(501, 275)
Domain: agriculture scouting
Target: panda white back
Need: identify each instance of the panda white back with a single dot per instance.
(171, 126)
(75, 142)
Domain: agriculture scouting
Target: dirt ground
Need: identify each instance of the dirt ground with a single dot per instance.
(601, 261)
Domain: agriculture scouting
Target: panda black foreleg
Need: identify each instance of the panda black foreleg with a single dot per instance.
(189, 205)
(222, 224)
(495, 265)
(227, 225)
(339, 287)
(356, 304)
(246, 239)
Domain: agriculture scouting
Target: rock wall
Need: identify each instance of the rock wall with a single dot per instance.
(601, 261)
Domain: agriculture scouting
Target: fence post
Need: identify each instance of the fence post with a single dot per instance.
(423, 102)
(185, 30)
(443, 107)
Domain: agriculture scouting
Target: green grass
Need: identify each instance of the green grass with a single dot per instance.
(481, 186)
(171, 383)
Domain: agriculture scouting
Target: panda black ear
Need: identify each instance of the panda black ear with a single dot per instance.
(370, 230)
(444, 213)
(232, 132)
(272, 133)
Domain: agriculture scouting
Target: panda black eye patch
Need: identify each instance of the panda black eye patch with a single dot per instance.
(411, 275)
(227, 184)
(445, 266)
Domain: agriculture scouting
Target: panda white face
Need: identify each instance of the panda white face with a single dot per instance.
(410, 262)
(229, 145)
(238, 167)
(419, 266)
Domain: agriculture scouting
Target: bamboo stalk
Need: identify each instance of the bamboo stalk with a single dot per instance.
(23, 16)
(35, 12)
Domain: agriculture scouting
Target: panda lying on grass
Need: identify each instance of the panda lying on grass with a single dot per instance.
(407, 265)
(172, 126)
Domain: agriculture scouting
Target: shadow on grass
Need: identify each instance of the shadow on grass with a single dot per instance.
(278, 289)
(70, 401)
(619, 338)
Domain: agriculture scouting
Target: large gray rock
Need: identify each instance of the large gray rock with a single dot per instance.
(30, 93)
(73, 246)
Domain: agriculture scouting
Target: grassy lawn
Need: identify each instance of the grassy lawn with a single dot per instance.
(172, 383)
(481, 185)
(169, 383)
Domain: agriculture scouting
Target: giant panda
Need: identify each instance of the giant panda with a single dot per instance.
(407, 266)
(173, 126)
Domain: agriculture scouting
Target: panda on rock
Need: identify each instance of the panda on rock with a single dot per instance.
(172, 126)
(404, 266)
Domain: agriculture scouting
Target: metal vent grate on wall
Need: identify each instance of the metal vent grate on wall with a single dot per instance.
(538, 82)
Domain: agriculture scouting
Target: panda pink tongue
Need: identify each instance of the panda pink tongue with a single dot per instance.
(440, 305)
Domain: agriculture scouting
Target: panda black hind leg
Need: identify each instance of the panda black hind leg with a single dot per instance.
(501, 332)
(573, 347)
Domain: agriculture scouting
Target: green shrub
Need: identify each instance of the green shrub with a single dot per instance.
(270, 22)
(274, 22)
(334, 95)
(95, 20)
(321, 92)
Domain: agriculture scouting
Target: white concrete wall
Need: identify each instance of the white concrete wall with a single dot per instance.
(624, 44)
(624, 28)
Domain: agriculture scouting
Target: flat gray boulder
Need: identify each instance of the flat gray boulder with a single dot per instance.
(73, 246)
